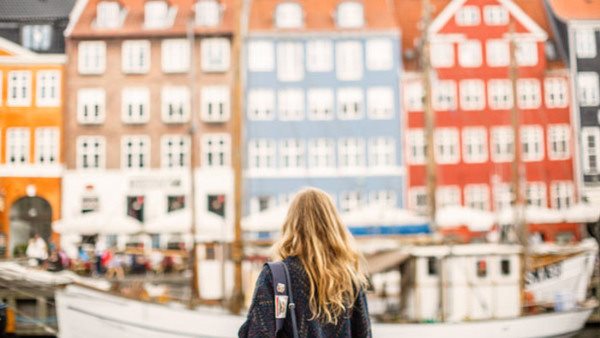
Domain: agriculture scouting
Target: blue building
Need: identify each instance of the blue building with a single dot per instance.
(322, 105)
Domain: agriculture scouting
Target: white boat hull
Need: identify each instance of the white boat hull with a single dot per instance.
(83, 312)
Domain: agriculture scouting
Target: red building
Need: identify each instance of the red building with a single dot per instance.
(472, 101)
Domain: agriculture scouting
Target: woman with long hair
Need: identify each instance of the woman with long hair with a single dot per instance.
(327, 283)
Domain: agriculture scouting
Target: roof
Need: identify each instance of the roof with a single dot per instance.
(26, 10)
(133, 26)
(576, 9)
(319, 15)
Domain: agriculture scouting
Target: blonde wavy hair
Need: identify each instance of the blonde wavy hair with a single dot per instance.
(314, 232)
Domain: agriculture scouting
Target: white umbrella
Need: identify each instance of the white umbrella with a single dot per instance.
(97, 223)
(379, 214)
(582, 213)
(267, 220)
(180, 221)
(533, 214)
(474, 219)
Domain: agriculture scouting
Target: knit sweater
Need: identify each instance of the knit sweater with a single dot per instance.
(261, 315)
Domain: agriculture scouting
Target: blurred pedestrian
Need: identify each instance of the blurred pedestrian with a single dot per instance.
(54, 263)
(328, 284)
(114, 266)
(37, 250)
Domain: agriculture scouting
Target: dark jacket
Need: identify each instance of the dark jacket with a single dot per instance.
(261, 315)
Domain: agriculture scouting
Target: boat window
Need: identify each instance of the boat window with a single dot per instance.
(481, 268)
(505, 266)
(432, 266)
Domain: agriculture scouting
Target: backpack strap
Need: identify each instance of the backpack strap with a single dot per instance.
(282, 289)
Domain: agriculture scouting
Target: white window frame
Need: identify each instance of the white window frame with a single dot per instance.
(415, 194)
(47, 146)
(140, 152)
(350, 200)
(590, 149)
(175, 55)
(18, 140)
(290, 104)
(351, 153)
(535, 194)
(447, 145)
(208, 13)
(442, 54)
(292, 154)
(135, 105)
(289, 15)
(320, 104)
(91, 57)
(321, 154)
(502, 149)
(497, 52)
(448, 195)
(135, 56)
(588, 89)
(91, 149)
(175, 107)
(319, 55)
(380, 54)
(416, 149)
(261, 56)
(529, 93)
(349, 60)
(108, 15)
(350, 103)
(290, 61)
(19, 88)
(215, 55)
(216, 150)
(382, 152)
(37, 37)
(469, 54)
(559, 142)
(472, 94)
(414, 96)
(526, 53)
(175, 151)
(93, 98)
(387, 198)
(477, 196)
(503, 196)
(475, 145)
(261, 104)
(48, 91)
(556, 92)
(262, 154)
(532, 143)
(380, 103)
(585, 43)
(350, 14)
(444, 95)
(500, 96)
(468, 15)
(495, 15)
(562, 194)
(215, 97)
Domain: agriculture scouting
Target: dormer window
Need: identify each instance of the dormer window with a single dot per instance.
(156, 14)
(208, 13)
(288, 15)
(108, 14)
(350, 14)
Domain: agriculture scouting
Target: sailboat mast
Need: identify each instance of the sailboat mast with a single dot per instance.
(237, 251)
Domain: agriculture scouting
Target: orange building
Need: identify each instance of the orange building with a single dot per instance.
(31, 163)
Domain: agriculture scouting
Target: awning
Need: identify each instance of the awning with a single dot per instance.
(269, 220)
(385, 261)
(180, 221)
(456, 216)
(97, 223)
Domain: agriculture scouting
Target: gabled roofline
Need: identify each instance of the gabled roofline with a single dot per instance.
(74, 16)
(23, 55)
(15, 49)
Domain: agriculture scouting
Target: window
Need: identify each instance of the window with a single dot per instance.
(108, 14)
(47, 145)
(91, 152)
(469, 53)
(503, 196)
(590, 138)
(156, 14)
(17, 146)
(261, 103)
(216, 150)
(505, 267)
(500, 94)
(414, 97)
(351, 153)
(444, 95)
(260, 56)
(532, 143)
(432, 266)
(261, 154)
(135, 152)
(319, 56)
(175, 104)
(135, 207)
(215, 103)
(526, 53)
(349, 61)
(494, 15)
(447, 196)
(416, 146)
(383, 197)
(175, 202)
(48, 88)
(37, 37)
(350, 103)
(216, 54)
(446, 145)
(350, 15)
(292, 154)
(175, 55)
(321, 153)
(585, 43)
(481, 268)
(91, 105)
(418, 199)
(555, 89)
(535, 194)
(477, 196)
(502, 144)
(472, 96)
(380, 55)
(350, 200)
(135, 106)
(290, 61)
(135, 56)
(208, 13)
(381, 103)
(289, 15)
(559, 140)
(175, 151)
(588, 89)
(291, 104)
(497, 53)
(382, 152)
(562, 194)
(320, 104)
(442, 54)
(261, 203)
(19, 88)
(474, 145)
(216, 204)
(467, 16)
(529, 96)
(91, 57)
